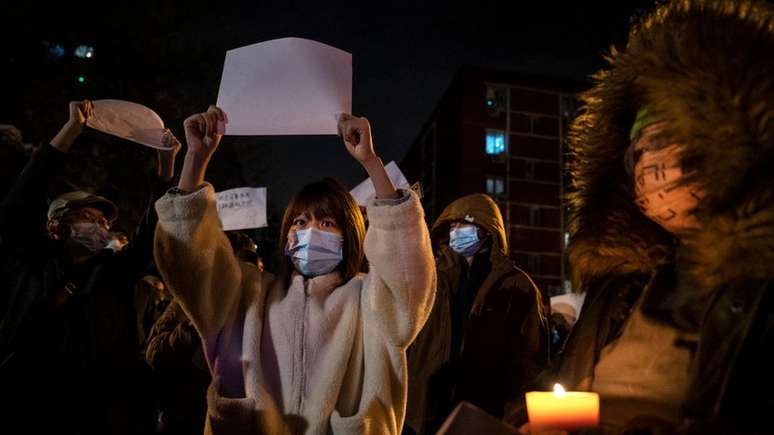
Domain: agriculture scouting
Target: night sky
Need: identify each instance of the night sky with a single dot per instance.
(169, 56)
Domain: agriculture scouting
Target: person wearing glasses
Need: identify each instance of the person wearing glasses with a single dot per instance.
(67, 325)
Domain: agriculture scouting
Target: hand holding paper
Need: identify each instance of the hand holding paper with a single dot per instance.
(201, 132)
(356, 133)
(80, 112)
(167, 156)
(170, 142)
(202, 137)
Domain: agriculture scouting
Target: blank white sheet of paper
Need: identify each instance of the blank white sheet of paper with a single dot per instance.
(288, 86)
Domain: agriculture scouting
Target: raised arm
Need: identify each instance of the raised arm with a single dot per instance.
(23, 211)
(192, 253)
(356, 133)
(138, 255)
(400, 287)
(202, 137)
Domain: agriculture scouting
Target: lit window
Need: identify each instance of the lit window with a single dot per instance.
(495, 142)
(84, 52)
(495, 186)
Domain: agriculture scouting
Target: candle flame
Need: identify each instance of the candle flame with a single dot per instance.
(559, 390)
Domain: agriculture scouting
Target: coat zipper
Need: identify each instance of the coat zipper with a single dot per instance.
(302, 382)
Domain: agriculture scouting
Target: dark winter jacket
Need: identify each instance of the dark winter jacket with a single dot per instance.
(67, 366)
(174, 351)
(488, 353)
(705, 68)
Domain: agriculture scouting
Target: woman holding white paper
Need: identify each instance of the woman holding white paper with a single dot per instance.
(321, 348)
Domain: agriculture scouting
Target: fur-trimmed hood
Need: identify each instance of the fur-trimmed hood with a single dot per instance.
(706, 69)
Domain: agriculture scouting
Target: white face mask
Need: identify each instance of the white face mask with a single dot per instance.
(657, 174)
(464, 240)
(314, 252)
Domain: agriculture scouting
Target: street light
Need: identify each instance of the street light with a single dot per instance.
(84, 51)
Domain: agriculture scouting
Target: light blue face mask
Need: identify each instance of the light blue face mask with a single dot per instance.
(315, 252)
(464, 240)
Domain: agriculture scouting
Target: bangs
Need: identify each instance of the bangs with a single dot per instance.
(320, 200)
(328, 199)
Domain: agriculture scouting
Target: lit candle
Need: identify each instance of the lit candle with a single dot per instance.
(562, 410)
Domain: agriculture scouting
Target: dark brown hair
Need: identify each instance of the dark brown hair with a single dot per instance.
(327, 198)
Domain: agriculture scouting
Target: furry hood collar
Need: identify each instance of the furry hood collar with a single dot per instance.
(706, 69)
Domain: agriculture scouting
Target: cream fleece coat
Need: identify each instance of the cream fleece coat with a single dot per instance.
(319, 357)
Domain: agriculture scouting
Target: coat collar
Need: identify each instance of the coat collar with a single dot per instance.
(318, 286)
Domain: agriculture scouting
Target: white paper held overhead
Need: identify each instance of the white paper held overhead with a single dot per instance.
(288, 86)
(128, 120)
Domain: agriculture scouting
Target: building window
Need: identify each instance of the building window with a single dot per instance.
(495, 142)
(495, 186)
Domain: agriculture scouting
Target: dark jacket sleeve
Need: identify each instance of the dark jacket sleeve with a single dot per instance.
(528, 352)
(172, 340)
(23, 211)
(137, 256)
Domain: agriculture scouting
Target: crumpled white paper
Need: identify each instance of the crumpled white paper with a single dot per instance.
(364, 191)
(128, 120)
